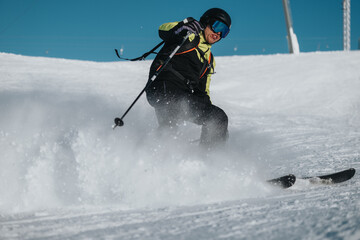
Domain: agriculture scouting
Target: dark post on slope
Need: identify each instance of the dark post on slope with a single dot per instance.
(119, 121)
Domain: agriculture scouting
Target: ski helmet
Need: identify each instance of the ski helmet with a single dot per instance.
(214, 14)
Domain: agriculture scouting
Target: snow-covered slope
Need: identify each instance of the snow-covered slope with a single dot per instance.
(66, 174)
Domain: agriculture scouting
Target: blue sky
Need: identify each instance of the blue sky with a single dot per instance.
(90, 30)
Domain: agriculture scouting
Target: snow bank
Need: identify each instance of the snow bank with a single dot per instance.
(320, 84)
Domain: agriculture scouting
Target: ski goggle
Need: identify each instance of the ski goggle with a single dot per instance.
(220, 27)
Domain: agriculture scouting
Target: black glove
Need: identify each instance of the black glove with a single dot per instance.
(189, 25)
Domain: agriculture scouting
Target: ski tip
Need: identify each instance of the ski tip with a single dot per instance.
(352, 171)
(284, 181)
(348, 172)
(337, 177)
(290, 180)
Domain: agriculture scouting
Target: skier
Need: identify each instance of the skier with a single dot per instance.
(181, 91)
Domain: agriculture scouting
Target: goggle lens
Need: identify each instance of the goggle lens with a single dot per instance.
(221, 27)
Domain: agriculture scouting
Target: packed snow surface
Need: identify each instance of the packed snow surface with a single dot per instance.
(66, 174)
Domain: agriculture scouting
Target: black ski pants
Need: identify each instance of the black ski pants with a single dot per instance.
(171, 108)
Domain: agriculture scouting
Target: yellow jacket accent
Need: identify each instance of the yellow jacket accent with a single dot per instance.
(203, 46)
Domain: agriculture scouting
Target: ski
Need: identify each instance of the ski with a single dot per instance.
(284, 181)
(333, 178)
(337, 177)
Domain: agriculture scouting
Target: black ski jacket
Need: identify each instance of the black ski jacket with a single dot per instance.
(188, 72)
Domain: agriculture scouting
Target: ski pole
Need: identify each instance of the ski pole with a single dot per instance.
(119, 121)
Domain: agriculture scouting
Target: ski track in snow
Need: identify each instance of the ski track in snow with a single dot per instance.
(65, 174)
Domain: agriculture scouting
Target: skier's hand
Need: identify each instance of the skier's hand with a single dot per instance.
(189, 25)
